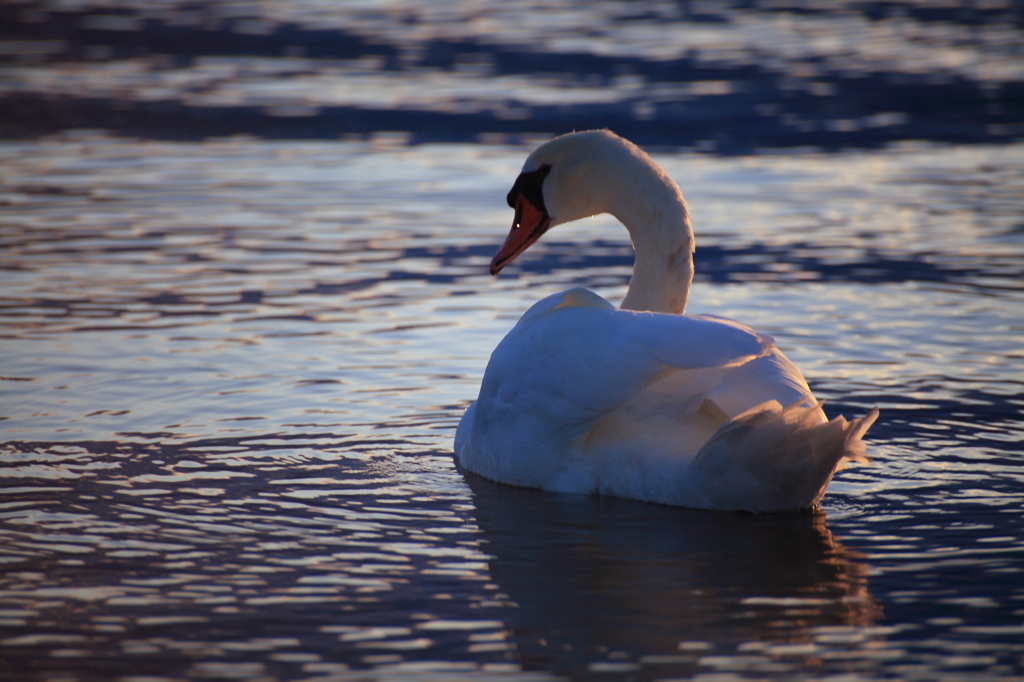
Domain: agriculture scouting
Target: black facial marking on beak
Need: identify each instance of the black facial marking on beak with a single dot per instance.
(531, 186)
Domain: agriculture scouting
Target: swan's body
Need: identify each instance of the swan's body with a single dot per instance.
(658, 406)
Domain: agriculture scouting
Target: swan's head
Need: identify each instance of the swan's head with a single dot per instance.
(570, 177)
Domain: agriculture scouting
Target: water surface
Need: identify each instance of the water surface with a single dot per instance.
(245, 301)
(232, 372)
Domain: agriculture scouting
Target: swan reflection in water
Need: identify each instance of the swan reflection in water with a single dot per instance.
(598, 578)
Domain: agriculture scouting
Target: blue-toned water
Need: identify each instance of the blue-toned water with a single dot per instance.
(233, 364)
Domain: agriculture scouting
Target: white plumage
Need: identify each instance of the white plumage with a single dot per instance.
(644, 403)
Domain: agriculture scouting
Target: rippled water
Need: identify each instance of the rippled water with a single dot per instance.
(232, 365)
(232, 372)
(731, 76)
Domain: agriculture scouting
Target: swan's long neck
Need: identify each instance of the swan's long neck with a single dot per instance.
(596, 171)
(652, 208)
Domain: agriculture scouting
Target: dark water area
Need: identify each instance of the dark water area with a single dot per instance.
(731, 77)
(244, 302)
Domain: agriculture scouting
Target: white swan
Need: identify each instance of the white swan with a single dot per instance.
(697, 411)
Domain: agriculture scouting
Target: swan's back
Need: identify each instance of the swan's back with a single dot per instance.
(583, 398)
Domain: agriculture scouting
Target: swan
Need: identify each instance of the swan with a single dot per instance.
(642, 402)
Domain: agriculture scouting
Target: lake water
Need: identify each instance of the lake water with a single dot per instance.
(232, 365)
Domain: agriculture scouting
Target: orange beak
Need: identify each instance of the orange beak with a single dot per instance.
(527, 227)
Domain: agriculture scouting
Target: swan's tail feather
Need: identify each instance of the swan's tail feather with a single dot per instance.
(855, 450)
(782, 458)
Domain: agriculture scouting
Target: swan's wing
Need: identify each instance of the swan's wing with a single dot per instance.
(596, 327)
(693, 342)
(573, 358)
(769, 377)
